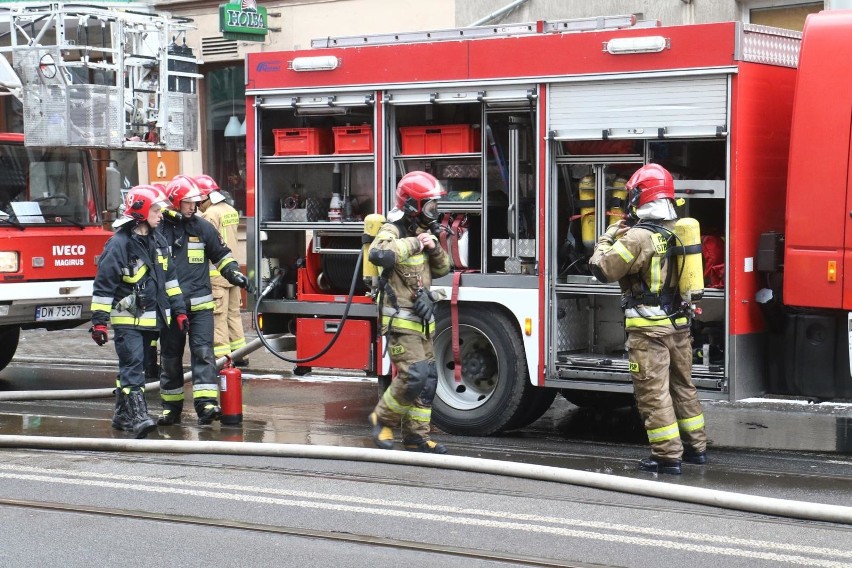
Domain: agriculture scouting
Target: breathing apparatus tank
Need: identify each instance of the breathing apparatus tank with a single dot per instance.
(619, 193)
(372, 223)
(690, 265)
(587, 211)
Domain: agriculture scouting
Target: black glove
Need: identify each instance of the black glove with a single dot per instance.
(424, 305)
(237, 278)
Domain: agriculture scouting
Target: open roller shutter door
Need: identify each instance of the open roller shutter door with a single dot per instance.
(644, 108)
(492, 96)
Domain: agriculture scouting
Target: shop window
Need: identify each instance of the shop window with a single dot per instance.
(226, 139)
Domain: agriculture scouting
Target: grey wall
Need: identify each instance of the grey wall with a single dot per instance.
(669, 12)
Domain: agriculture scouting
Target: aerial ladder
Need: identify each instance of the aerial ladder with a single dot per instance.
(100, 75)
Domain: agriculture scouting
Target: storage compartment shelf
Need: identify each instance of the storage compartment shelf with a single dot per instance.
(317, 159)
(319, 226)
(438, 156)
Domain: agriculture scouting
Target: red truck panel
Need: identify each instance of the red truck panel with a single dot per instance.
(68, 252)
(819, 228)
(350, 351)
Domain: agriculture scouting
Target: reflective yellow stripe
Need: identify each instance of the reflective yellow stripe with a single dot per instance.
(204, 306)
(195, 256)
(420, 414)
(143, 270)
(171, 397)
(239, 343)
(662, 434)
(415, 259)
(406, 324)
(644, 322)
(691, 424)
(656, 282)
(394, 405)
(210, 393)
(173, 291)
(224, 261)
(220, 350)
(214, 273)
(141, 322)
(101, 307)
(622, 251)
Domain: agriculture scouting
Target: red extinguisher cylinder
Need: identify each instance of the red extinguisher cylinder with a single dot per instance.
(231, 394)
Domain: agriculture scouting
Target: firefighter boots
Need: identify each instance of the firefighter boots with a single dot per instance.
(121, 417)
(691, 456)
(140, 422)
(426, 446)
(171, 415)
(208, 413)
(382, 435)
(660, 465)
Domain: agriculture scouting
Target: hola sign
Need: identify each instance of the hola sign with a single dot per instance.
(163, 166)
(243, 21)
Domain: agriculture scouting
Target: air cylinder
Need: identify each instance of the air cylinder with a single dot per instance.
(690, 266)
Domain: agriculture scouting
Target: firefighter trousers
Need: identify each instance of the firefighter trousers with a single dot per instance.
(228, 335)
(202, 362)
(408, 400)
(130, 344)
(661, 369)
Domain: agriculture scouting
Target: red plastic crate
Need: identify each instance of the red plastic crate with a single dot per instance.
(440, 139)
(353, 139)
(302, 141)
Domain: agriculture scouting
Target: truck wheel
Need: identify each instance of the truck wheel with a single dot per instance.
(494, 373)
(539, 402)
(8, 344)
(598, 400)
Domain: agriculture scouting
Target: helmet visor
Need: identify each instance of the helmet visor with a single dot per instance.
(429, 209)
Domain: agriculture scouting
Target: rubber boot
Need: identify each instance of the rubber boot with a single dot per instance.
(691, 456)
(141, 423)
(171, 415)
(659, 465)
(207, 413)
(121, 416)
(425, 446)
(382, 435)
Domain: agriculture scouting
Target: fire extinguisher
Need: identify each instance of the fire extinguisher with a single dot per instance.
(231, 393)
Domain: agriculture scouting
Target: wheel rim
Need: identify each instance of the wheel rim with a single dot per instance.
(480, 368)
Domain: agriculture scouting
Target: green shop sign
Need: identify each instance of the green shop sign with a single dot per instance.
(243, 21)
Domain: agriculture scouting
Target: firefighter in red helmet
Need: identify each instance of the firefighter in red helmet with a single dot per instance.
(409, 256)
(137, 291)
(659, 344)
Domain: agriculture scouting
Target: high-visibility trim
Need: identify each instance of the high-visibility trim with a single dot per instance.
(414, 260)
(395, 406)
(644, 322)
(202, 307)
(656, 276)
(140, 272)
(172, 284)
(214, 273)
(385, 235)
(400, 323)
(221, 350)
(195, 256)
(173, 291)
(139, 322)
(622, 251)
(102, 300)
(420, 414)
(664, 433)
(171, 397)
(101, 307)
(225, 261)
(238, 344)
(691, 424)
(204, 393)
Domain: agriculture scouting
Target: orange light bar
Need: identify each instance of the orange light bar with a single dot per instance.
(832, 271)
(528, 326)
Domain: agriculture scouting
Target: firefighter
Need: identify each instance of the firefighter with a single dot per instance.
(136, 290)
(659, 343)
(409, 257)
(194, 243)
(228, 334)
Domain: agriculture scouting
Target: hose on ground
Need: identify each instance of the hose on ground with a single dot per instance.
(698, 495)
(154, 386)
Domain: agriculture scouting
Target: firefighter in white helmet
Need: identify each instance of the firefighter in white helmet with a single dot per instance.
(658, 336)
(409, 257)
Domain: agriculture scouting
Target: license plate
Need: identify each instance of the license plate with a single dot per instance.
(53, 313)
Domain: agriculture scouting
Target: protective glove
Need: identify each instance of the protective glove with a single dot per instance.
(424, 305)
(182, 323)
(99, 333)
(237, 278)
(613, 232)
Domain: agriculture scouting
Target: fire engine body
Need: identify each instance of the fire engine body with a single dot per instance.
(533, 129)
(88, 78)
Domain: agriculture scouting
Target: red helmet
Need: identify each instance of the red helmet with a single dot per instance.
(182, 188)
(140, 199)
(650, 182)
(206, 184)
(418, 193)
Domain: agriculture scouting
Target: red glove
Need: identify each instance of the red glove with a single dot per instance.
(183, 323)
(99, 333)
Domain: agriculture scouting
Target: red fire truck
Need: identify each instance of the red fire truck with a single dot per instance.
(533, 129)
(78, 78)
